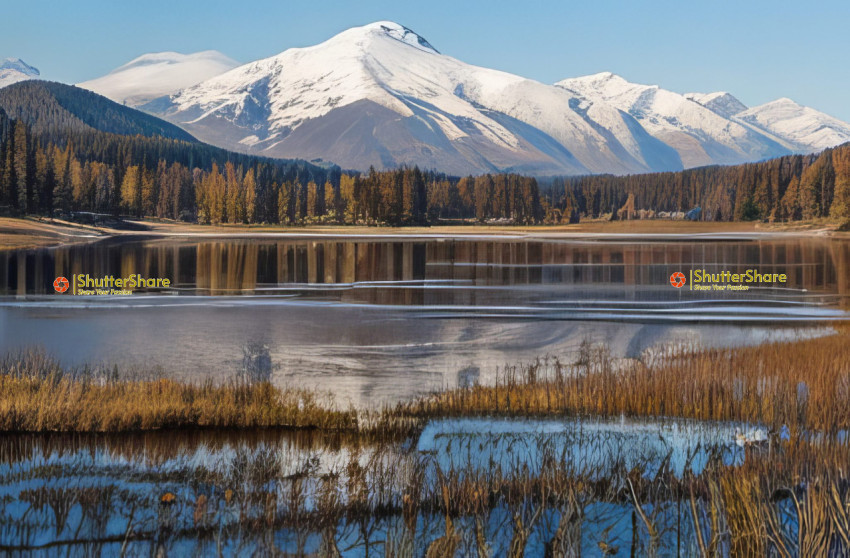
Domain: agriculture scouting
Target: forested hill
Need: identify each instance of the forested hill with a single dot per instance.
(787, 188)
(61, 151)
(51, 110)
(99, 172)
(65, 153)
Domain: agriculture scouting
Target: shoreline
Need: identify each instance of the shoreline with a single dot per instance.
(33, 233)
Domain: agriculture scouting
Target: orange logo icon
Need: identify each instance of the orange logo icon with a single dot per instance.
(61, 284)
(678, 279)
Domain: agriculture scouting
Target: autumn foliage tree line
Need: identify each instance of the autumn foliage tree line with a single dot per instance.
(787, 188)
(86, 170)
(406, 196)
(45, 171)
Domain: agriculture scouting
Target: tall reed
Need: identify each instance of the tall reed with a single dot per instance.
(796, 384)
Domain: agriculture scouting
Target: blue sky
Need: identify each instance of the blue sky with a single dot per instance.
(757, 50)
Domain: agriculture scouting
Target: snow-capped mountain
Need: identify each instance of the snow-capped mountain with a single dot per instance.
(700, 135)
(13, 70)
(809, 129)
(382, 95)
(800, 128)
(161, 73)
(721, 102)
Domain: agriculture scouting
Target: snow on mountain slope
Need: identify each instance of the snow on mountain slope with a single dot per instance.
(810, 129)
(727, 106)
(161, 73)
(720, 102)
(700, 135)
(382, 95)
(13, 70)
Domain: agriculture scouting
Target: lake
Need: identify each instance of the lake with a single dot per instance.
(380, 318)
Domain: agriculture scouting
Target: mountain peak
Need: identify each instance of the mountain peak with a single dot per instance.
(380, 95)
(698, 126)
(721, 102)
(609, 82)
(13, 70)
(810, 129)
(784, 101)
(601, 77)
(400, 33)
(18, 65)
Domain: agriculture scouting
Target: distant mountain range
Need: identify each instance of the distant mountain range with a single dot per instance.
(700, 134)
(381, 95)
(13, 70)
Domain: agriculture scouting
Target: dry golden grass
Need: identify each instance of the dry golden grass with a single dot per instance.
(788, 497)
(793, 502)
(799, 384)
(37, 395)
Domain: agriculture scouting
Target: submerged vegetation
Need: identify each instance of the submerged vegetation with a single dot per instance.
(374, 483)
(344, 497)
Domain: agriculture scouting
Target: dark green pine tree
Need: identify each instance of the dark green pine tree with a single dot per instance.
(8, 182)
(22, 167)
(45, 181)
(62, 192)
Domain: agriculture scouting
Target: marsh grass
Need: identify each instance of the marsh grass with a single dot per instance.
(39, 395)
(789, 497)
(797, 385)
(801, 385)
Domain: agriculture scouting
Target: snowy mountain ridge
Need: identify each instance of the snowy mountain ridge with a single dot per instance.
(13, 70)
(381, 95)
(810, 129)
(700, 135)
(721, 102)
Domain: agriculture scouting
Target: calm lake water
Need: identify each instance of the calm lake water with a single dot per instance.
(375, 319)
